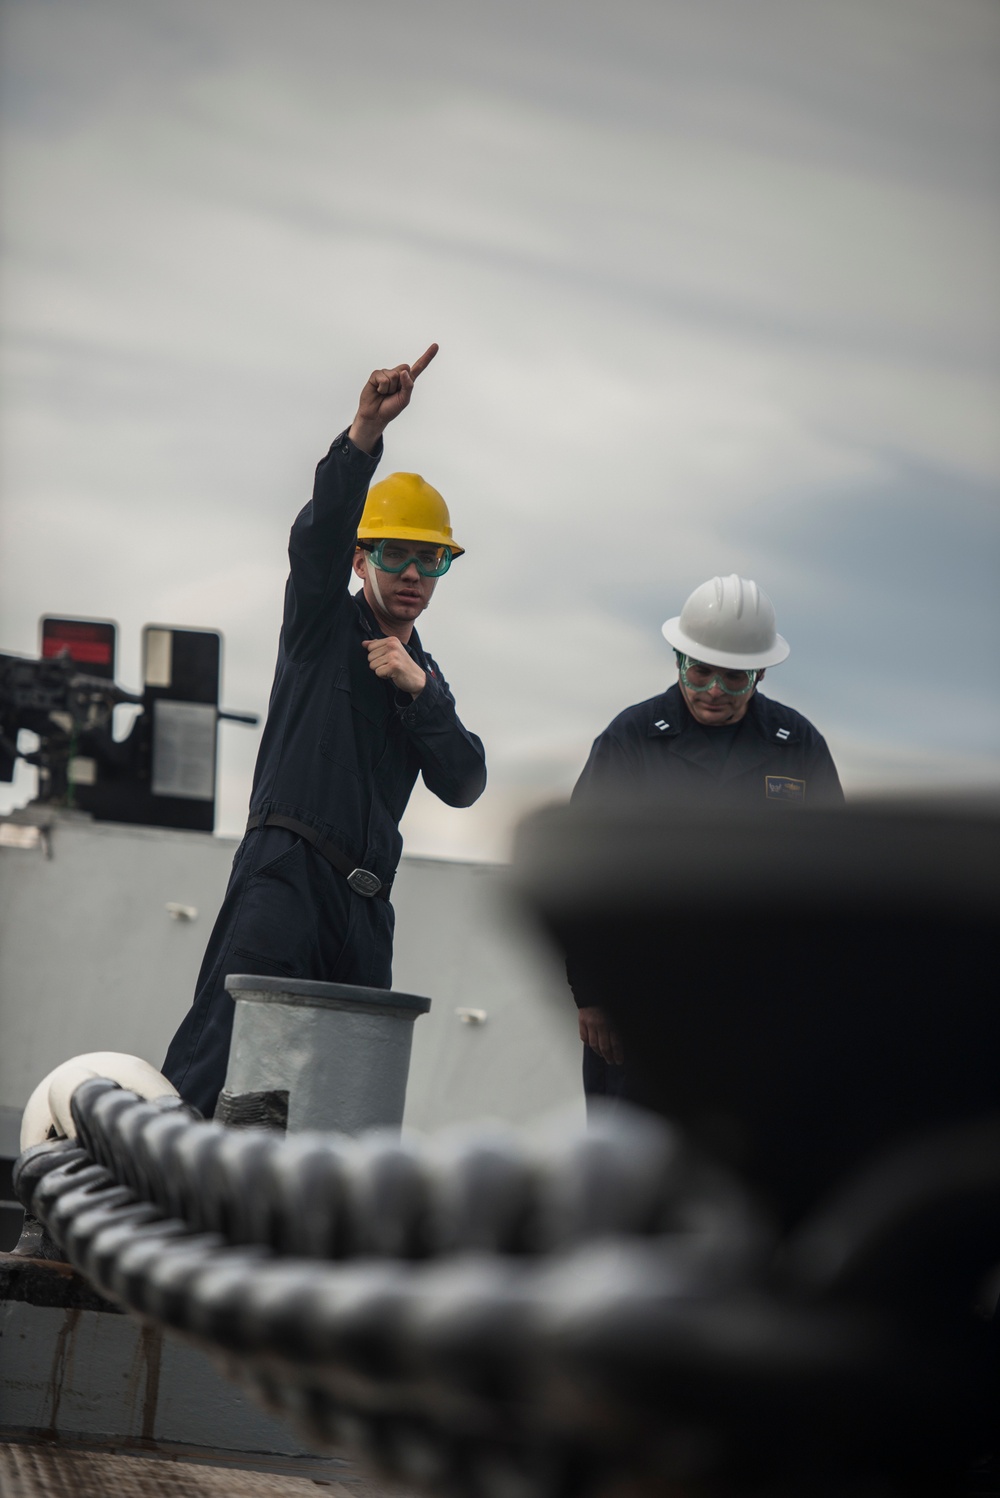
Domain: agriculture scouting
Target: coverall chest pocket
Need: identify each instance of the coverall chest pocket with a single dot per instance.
(370, 695)
(358, 708)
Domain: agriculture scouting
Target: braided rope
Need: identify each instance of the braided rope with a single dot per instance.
(485, 1314)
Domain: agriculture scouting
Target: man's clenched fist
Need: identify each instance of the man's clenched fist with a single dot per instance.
(389, 659)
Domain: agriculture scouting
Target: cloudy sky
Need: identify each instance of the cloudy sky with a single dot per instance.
(717, 289)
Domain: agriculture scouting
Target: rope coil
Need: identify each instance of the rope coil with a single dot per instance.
(482, 1311)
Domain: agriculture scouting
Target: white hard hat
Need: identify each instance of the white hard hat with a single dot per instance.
(728, 621)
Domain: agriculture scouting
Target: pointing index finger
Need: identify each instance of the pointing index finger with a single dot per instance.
(422, 363)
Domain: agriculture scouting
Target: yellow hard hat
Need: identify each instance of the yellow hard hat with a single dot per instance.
(407, 508)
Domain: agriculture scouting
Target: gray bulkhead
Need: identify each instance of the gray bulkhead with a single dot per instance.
(103, 926)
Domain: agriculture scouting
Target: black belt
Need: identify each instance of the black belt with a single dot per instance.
(362, 881)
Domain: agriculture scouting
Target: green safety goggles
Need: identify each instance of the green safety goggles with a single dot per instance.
(698, 677)
(396, 556)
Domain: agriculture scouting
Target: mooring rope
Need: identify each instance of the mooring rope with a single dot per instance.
(497, 1314)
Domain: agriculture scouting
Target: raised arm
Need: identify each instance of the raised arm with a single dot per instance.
(321, 545)
(386, 393)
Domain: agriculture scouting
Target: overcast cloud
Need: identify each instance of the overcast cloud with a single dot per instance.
(716, 287)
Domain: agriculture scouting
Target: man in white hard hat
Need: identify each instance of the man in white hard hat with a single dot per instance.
(713, 739)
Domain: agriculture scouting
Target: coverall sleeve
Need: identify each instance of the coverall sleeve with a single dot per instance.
(321, 546)
(823, 781)
(610, 769)
(452, 760)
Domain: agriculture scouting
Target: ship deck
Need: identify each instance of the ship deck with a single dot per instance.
(49, 1471)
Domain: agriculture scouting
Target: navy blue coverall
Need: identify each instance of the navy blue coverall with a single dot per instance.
(772, 758)
(340, 752)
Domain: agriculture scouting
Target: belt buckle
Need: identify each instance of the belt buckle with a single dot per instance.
(363, 882)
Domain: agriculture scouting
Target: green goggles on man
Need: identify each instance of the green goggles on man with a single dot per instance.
(396, 556)
(699, 677)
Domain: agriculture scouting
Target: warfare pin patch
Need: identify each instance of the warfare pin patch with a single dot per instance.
(784, 788)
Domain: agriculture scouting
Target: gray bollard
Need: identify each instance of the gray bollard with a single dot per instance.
(310, 1055)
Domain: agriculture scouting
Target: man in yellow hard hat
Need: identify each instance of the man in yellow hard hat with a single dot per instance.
(358, 710)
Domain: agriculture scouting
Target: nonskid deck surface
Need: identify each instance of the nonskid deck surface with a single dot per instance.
(44, 1471)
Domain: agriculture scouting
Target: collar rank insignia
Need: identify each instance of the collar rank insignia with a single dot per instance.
(660, 724)
(782, 733)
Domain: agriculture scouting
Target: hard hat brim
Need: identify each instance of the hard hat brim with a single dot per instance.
(754, 660)
(409, 533)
